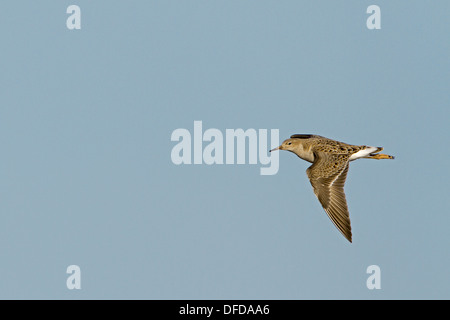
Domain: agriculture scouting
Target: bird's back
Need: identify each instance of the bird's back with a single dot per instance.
(322, 144)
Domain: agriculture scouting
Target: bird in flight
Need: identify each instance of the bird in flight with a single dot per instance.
(330, 160)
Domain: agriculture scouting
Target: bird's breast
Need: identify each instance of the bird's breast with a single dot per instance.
(305, 155)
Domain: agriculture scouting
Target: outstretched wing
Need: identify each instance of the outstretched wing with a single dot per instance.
(327, 176)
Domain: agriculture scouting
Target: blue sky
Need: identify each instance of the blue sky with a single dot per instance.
(86, 175)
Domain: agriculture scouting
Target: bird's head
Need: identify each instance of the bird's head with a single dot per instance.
(291, 144)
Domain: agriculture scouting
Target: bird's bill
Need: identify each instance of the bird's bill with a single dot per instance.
(277, 148)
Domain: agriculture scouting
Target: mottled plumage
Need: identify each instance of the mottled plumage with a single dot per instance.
(330, 161)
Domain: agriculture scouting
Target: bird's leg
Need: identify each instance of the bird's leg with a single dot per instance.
(379, 156)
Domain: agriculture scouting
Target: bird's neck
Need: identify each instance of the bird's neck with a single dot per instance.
(305, 154)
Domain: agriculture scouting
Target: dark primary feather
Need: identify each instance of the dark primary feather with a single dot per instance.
(302, 136)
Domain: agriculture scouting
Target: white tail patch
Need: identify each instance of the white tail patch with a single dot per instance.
(363, 153)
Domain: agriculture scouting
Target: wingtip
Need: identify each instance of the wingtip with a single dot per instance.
(301, 136)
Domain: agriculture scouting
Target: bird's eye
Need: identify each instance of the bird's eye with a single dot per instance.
(289, 143)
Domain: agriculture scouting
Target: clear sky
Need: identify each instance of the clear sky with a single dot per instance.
(86, 176)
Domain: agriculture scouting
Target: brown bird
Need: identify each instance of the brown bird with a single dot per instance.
(330, 160)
